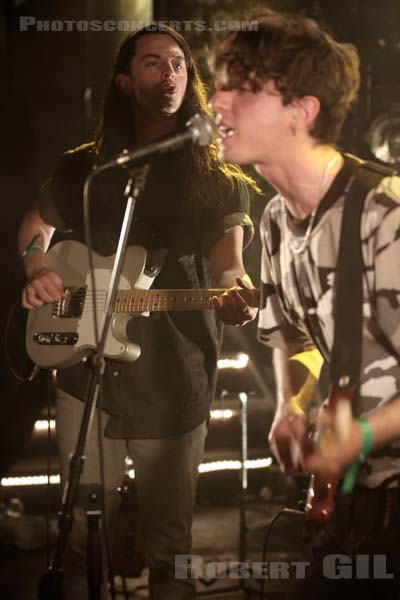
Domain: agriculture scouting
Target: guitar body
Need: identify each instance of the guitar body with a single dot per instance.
(61, 334)
(320, 500)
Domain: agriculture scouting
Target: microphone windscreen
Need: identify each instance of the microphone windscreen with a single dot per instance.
(203, 128)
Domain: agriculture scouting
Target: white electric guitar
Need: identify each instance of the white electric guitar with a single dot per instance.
(61, 333)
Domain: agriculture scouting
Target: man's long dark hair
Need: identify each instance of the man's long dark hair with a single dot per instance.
(116, 128)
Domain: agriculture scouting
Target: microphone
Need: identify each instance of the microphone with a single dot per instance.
(200, 130)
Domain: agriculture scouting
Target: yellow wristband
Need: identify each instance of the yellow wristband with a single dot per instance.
(313, 361)
(300, 402)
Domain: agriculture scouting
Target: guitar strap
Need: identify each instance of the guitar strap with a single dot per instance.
(345, 363)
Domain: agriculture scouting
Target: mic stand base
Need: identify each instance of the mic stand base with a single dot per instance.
(50, 584)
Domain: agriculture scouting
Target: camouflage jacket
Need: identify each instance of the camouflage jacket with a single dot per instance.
(298, 290)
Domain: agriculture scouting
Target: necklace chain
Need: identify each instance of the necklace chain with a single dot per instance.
(298, 246)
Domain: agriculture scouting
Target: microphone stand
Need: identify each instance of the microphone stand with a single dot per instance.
(50, 583)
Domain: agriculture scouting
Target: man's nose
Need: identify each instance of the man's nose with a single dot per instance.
(219, 101)
(168, 71)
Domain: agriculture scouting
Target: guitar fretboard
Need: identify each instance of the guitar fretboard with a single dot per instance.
(136, 301)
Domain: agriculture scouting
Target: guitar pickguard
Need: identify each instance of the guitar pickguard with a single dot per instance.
(62, 333)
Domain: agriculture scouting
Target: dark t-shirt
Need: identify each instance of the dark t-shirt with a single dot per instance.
(168, 390)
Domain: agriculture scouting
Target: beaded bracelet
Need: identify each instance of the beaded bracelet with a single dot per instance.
(367, 442)
(32, 247)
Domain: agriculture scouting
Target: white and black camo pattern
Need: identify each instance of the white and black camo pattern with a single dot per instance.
(299, 288)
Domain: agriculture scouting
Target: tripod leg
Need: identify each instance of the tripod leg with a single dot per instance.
(69, 414)
(93, 512)
(243, 478)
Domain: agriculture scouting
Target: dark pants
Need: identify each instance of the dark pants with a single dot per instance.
(166, 473)
(358, 552)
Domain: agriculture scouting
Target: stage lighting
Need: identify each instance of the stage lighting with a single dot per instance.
(384, 137)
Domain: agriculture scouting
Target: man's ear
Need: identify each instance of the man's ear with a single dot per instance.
(123, 84)
(305, 111)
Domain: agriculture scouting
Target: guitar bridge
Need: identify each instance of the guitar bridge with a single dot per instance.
(71, 306)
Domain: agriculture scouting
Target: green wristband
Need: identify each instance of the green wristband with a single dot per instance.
(32, 247)
(367, 437)
(367, 442)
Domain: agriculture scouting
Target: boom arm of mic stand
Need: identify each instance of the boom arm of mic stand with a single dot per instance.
(50, 583)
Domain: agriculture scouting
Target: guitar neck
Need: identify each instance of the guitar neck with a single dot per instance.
(138, 301)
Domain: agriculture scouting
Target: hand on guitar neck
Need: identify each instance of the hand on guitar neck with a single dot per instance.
(236, 305)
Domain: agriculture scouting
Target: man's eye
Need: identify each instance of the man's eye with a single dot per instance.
(151, 63)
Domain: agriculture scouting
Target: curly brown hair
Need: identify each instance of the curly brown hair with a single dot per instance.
(300, 58)
(116, 127)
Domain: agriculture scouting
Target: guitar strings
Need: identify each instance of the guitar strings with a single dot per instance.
(147, 300)
(139, 300)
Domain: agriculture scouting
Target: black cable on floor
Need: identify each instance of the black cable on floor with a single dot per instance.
(285, 511)
(293, 512)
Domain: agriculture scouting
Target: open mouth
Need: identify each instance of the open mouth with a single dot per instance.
(169, 89)
(225, 131)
